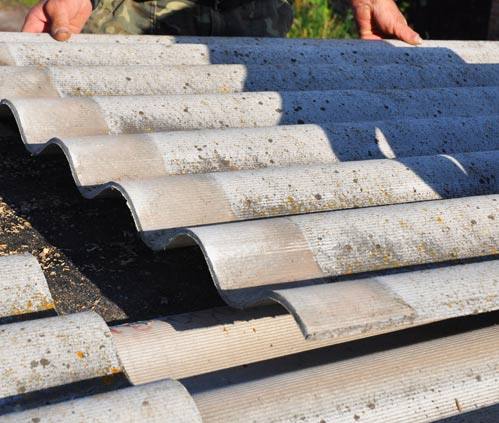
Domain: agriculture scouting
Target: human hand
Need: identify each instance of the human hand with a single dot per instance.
(61, 18)
(377, 19)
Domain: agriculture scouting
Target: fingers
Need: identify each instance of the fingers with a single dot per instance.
(58, 13)
(35, 20)
(59, 17)
(363, 16)
(377, 19)
(405, 33)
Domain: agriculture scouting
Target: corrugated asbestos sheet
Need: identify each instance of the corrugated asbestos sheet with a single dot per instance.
(354, 183)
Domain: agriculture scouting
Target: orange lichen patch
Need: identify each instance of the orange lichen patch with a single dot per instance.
(29, 304)
(114, 370)
(46, 305)
(439, 219)
(495, 252)
(80, 354)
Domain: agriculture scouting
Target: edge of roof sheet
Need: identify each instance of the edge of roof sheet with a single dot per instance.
(164, 401)
(168, 39)
(23, 287)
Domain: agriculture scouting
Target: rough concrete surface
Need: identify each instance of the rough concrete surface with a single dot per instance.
(89, 250)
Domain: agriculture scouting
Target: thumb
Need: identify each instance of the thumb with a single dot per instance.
(58, 15)
(404, 32)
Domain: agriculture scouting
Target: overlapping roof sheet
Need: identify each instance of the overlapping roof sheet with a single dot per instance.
(355, 183)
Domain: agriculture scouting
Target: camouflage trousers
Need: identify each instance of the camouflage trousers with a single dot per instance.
(244, 18)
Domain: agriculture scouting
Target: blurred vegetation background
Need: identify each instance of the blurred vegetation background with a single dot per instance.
(322, 19)
(436, 19)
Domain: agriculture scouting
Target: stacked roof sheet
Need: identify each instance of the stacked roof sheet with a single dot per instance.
(355, 183)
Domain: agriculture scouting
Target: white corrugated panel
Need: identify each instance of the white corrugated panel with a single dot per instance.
(290, 177)
(423, 382)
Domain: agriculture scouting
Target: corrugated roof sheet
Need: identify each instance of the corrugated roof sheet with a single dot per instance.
(289, 176)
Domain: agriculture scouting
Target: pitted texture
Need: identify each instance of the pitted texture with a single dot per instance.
(328, 159)
(23, 288)
(55, 351)
(163, 402)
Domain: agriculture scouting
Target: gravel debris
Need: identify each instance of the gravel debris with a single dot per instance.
(89, 250)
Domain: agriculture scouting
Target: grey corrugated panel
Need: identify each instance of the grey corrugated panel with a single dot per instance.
(95, 54)
(202, 199)
(162, 402)
(417, 383)
(371, 306)
(34, 82)
(196, 343)
(99, 159)
(248, 257)
(55, 351)
(23, 288)
(275, 258)
(41, 119)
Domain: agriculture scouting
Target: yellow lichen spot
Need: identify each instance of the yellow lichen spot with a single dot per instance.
(421, 247)
(48, 306)
(80, 354)
(224, 89)
(439, 219)
(495, 252)
(233, 167)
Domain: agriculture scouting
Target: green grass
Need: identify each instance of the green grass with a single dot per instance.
(317, 19)
(29, 3)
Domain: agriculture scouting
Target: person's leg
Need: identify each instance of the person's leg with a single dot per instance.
(244, 18)
(167, 17)
(255, 18)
